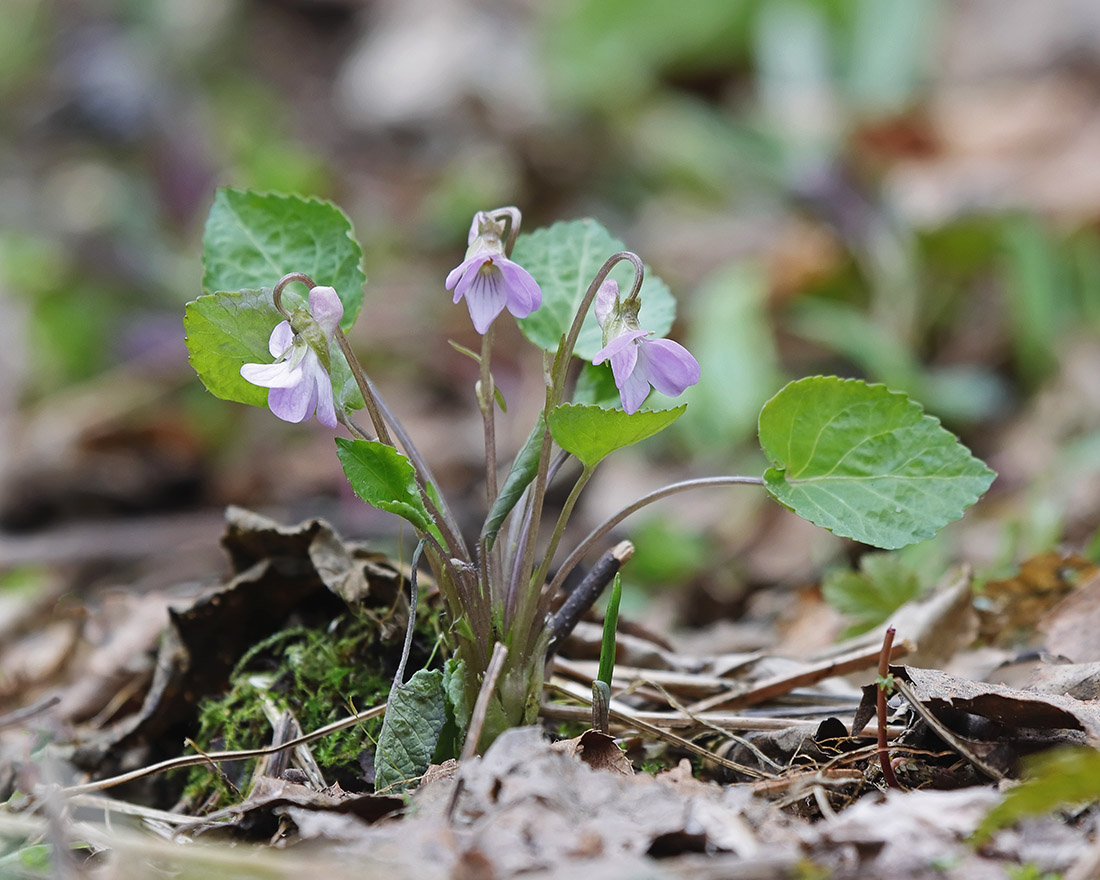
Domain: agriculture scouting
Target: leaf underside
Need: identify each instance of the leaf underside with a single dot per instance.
(415, 716)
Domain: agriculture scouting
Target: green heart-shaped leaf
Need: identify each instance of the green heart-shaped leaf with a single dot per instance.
(866, 462)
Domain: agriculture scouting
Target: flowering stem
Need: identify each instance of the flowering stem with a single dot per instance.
(556, 388)
(365, 389)
(565, 352)
(487, 403)
(610, 523)
(442, 514)
(559, 528)
(511, 215)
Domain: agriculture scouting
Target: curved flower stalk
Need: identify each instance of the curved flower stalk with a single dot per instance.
(299, 382)
(637, 362)
(488, 280)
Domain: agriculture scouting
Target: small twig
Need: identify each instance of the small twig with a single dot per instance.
(25, 714)
(565, 619)
(880, 707)
(481, 707)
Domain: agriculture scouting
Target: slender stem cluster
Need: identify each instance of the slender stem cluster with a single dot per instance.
(499, 597)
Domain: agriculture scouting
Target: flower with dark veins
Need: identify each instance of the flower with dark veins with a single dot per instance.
(489, 281)
(638, 362)
(299, 382)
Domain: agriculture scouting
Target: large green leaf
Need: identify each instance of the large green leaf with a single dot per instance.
(253, 239)
(385, 479)
(591, 433)
(563, 259)
(866, 462)
(415, 716)
(225, 330)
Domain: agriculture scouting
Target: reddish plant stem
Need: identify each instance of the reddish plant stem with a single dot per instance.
(883, 671)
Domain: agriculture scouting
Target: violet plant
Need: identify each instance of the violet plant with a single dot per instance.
(858, 459)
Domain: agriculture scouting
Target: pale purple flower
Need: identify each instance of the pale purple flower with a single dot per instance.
(488, 280)
(637, 362)
(491, 282)
(299, 383)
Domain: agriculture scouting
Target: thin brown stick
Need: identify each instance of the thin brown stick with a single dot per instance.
(880, 708)
(481, 707)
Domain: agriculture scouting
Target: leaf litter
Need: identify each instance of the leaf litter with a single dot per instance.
(735, 765)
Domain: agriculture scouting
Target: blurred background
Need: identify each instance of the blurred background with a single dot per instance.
(901, 190)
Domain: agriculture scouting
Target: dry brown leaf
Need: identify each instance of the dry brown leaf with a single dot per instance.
(1070, 627)
(1008, 706)
(598, 750)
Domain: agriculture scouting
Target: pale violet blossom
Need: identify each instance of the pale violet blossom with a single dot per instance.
(299, 382)
(638, 362)
(489, 281)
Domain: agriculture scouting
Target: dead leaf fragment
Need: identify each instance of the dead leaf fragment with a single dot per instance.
(598, 750)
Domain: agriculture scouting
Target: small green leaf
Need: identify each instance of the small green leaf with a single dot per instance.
(1061, 777)
(385, 479)
(253, 239)
(591, 433)
(524, 468)
(225, 331)
(564, 258)
(415, 715)
(610, 622)
(453, 733)
(866, 462)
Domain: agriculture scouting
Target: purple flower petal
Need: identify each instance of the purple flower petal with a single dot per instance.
(619, 343)
(489, 282)
(667, 366)
(281, 339)
(523, 293)
(486, 297)
(326, 406)
(278, 375)
(606, 297)
(326, 308)
(633, 390)
(297, 403)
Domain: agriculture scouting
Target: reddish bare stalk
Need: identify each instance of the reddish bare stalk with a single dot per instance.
(883, 671)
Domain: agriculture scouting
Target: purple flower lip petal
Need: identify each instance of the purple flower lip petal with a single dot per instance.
(639, 363)
(489, 283)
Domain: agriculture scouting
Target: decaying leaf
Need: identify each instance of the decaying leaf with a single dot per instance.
(598, 751)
